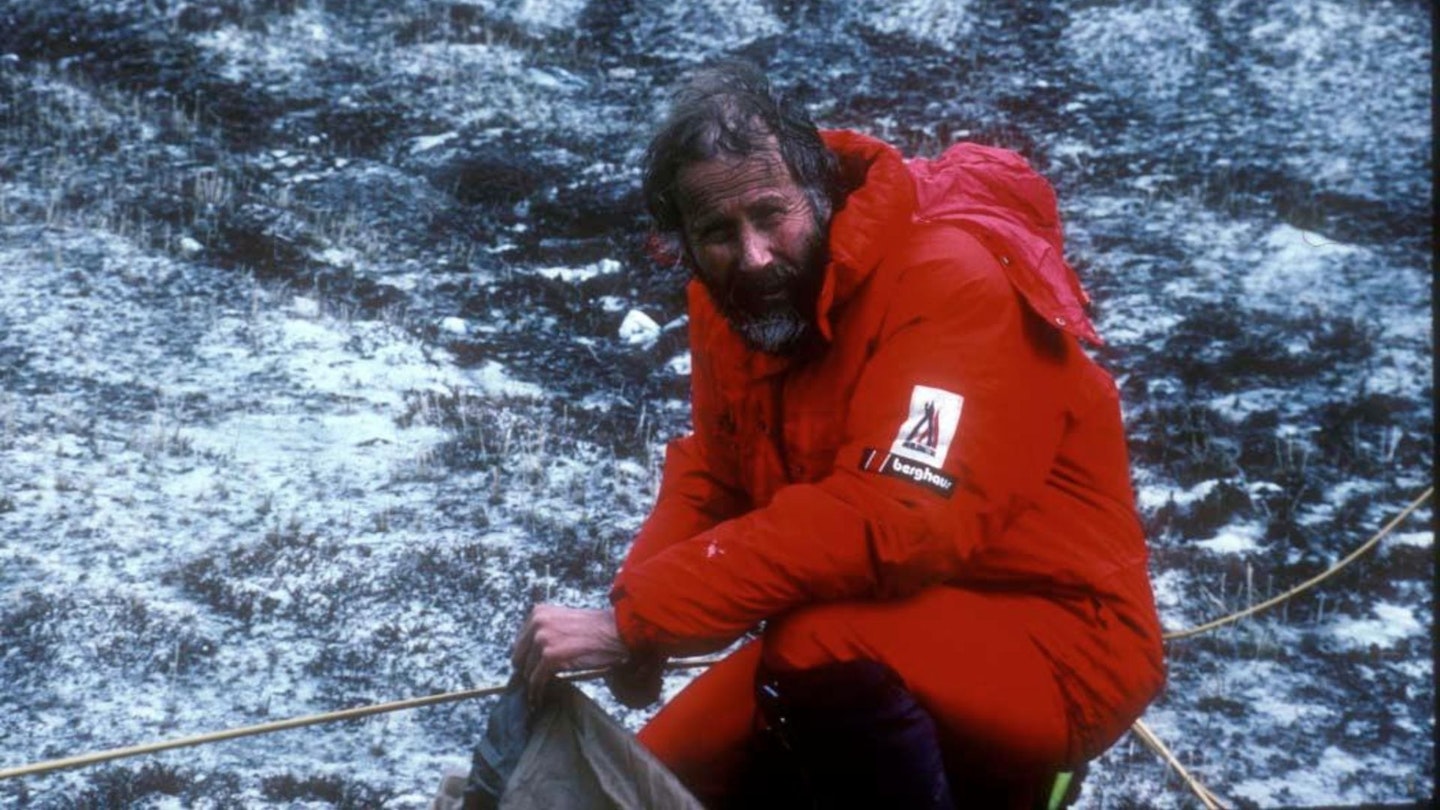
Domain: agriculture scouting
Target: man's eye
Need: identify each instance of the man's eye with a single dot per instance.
(712, 236)
(769, 217)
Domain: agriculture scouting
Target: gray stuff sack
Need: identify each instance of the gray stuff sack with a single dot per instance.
(567, 755)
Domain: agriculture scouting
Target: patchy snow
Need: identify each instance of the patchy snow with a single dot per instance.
(612, 303)
(1392, 623)
(1340, 493)
(1410, 539)
(492, 378)
(679, 365)
(1148, 51)
(1299, 269)
(692, 29)
(424, 143)
(639, 328)
(941, 23)
(1151, 497)
(1171, 588)
(479, 84)
(1320, 82)
(552, 14)
(575, 275)
(281, 52)
(1238, 538)
(1333, 779)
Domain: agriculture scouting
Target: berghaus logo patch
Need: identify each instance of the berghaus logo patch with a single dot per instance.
(931, 478)
(929, 428)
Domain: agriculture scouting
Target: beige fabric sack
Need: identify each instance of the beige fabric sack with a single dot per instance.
(576, 758)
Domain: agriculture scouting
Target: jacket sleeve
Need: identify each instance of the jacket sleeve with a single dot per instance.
(957, 327)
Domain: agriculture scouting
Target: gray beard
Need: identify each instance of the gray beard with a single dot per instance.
(778, 332)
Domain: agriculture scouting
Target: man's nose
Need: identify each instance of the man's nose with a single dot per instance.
(755, 250)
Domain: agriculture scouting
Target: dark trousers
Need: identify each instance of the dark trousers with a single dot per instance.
(844, 735)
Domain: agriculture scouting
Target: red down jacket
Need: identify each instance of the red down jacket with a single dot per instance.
(947, 433)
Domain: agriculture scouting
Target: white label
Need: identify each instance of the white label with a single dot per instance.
(928, 430)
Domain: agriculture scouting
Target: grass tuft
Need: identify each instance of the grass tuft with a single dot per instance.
(337, 791)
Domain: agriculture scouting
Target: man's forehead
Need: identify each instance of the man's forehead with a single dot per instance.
(709, 182)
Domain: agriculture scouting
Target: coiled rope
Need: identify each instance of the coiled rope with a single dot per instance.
(1141, 730)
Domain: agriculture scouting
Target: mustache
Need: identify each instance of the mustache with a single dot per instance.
(770, 307)
(777, 277)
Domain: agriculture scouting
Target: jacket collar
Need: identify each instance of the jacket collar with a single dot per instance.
(875, 211)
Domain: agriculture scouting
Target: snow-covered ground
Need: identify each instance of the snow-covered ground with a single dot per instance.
(328, 346)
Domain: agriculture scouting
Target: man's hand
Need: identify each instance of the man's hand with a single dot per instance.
(558, 639)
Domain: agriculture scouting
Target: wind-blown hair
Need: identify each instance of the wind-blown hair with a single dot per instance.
(730, 108)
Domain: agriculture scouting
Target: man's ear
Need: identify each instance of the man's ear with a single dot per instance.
(687, 259)
(668, 249)
(822, 206)
(686, 256)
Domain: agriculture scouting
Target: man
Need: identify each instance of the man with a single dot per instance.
(903, 469)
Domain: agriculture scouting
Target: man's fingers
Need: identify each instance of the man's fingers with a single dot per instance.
(535, 656)
(525, 641)
(537, 663)
(538, 677)
(546, 659)
(555, 639)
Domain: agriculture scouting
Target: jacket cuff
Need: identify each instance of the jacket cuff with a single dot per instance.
(637, 635)
(637, 681)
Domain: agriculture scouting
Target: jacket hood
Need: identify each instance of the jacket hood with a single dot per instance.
(995, 195)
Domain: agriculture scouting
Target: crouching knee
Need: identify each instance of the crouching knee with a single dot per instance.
(811, 637)
(855, 735)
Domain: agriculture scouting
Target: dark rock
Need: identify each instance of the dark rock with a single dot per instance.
(194, 18)
(590, 210)
(272, 241)
(381, 199)
(608, 26)
(496, 172)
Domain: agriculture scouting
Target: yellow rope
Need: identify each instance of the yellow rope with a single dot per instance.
(1155, 744)
(1307, 584)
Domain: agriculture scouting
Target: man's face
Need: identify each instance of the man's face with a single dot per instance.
(756, 244)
